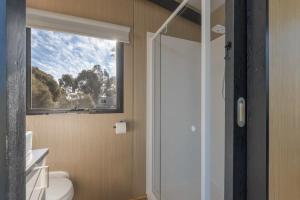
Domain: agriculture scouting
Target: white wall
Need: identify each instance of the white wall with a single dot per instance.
(217, 118)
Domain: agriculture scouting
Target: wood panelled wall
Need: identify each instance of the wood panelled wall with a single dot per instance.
(218, 17)
(104, 166)
(284, 114)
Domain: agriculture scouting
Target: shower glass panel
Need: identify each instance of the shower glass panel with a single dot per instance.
(180, 118)
(176, 119)
(176, 112)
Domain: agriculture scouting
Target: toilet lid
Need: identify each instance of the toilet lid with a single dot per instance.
(59, 189)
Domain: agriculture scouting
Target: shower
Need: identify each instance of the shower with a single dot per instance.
(185, 111)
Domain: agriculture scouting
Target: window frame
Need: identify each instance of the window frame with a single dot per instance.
(119, 77)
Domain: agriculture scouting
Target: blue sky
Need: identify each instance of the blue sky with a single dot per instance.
(59, 53)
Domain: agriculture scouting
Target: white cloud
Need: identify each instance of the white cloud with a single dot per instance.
(61, 53)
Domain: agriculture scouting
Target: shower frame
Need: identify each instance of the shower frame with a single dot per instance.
(236, 87)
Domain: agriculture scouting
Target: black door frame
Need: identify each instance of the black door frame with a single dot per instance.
(258, 100)
(236, 87)
(12, 99)
(247, 71)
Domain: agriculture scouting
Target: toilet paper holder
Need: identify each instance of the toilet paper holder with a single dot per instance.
(121, 128)
(120, 122)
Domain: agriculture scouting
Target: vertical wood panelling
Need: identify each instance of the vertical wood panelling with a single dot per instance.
(284, 16)
(218, 17)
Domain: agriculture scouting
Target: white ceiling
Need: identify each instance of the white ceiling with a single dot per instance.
(215, 4)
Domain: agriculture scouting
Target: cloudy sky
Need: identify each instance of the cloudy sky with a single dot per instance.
(62, 53)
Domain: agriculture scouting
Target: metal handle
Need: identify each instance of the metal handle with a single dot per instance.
(241, 112)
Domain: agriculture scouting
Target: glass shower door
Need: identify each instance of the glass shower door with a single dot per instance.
(180, 110)
(176, 113)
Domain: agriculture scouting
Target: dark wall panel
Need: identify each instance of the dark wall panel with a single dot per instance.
(12, 99)
(257, 100)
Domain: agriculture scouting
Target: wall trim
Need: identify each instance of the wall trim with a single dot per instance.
(144, 197)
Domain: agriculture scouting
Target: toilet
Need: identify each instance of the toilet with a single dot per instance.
(60, 186)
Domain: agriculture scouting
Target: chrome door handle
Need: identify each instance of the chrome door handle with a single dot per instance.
(241, 112)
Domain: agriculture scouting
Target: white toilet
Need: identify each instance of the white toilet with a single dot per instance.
(60, 186)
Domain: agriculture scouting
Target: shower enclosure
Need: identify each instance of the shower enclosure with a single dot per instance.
(185, 121)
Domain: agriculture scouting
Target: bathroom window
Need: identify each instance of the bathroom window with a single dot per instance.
(68, 72)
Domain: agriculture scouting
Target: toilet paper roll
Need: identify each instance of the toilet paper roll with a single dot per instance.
(121, 128)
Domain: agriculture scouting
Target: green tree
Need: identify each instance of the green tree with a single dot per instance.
(89, 83)
(49, 82)
(41, 96)
(67, 81)
(80, 92)
(111, 87)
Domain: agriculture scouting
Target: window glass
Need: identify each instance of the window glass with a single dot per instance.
(73, 72)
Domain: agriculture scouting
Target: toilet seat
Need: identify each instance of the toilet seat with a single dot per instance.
(60, 188)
